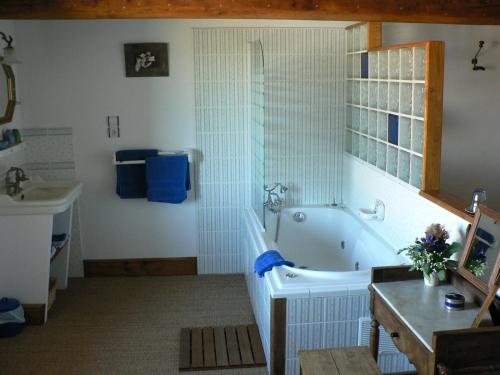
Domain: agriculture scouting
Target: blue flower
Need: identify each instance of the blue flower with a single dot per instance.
(429, 241)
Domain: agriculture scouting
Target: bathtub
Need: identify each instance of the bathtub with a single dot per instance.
(331, 247)
(323, 301)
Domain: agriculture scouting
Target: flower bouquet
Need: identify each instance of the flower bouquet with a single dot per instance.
(431, 254)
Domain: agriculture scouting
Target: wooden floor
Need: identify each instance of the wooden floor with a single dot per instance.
(220, 347)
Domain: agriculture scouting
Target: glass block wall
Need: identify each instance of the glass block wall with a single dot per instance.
(385, 106)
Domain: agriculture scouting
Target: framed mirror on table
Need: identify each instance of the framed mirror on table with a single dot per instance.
(480, 260)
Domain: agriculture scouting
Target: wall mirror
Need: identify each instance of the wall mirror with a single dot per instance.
(480, 261)
(7, 94)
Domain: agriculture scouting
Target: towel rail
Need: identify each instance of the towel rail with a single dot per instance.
(187, 152)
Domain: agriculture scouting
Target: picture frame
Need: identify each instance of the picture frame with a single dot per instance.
(146, 59)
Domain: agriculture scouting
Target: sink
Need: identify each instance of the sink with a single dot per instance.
(39, 197)
(40, 193)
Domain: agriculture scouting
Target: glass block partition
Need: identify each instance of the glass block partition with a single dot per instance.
(386, 117)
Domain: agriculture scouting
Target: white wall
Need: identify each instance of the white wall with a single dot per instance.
(73, 75)
(407, 214)
(471, 133)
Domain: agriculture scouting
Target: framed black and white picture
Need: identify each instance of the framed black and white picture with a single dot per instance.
(146, 59)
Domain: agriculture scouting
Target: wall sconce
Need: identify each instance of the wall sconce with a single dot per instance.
(474, 59)
(9, 54)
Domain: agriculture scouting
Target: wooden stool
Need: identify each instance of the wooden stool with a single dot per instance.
(340, 361)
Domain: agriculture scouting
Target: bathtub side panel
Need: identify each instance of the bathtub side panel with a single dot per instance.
(258, 291)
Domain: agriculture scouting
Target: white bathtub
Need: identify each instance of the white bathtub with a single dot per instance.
(326, 304)
(332, 249)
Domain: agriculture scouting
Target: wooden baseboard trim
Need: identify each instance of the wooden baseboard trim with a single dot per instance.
(34, 314)
(140, 267)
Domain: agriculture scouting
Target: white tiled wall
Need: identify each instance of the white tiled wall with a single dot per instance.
(304, 111)
(49, 154)
(221, 105)
(303, 118)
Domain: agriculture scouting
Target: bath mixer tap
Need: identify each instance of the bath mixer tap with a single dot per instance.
(283, 189)
(13, 186)
(275, 199)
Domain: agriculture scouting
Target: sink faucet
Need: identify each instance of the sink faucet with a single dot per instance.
(275, 199)
(478, 197)
(13, 187)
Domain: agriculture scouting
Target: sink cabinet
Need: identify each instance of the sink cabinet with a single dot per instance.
(25, 254)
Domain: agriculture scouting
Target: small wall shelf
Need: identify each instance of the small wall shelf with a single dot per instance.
(12, 149)
(450, 202)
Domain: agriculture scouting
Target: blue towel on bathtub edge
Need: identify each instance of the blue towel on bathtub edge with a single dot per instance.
(269, 259)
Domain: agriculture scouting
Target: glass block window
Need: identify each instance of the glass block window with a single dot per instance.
(385, 106)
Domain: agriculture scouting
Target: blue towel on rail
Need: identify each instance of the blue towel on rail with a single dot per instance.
(167, 178)
(131, 178)
(269, 259)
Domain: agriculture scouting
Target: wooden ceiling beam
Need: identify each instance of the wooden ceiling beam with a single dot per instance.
(481, 12)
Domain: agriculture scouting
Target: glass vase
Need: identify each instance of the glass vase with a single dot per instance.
(431, 279)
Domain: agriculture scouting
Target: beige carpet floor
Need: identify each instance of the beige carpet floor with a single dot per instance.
(126, 326)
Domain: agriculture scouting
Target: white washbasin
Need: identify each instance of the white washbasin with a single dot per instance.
(39, 197)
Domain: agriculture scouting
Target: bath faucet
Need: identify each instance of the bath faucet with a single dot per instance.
(275, 200)
(13, 187)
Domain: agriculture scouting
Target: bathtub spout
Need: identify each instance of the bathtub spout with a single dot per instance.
(278, 221)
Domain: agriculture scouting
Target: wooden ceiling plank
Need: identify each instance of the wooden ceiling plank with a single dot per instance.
(484, 12)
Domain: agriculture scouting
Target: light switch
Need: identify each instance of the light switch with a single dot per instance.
(113, 126)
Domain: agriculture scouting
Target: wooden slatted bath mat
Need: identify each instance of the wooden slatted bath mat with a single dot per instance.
(211, 348)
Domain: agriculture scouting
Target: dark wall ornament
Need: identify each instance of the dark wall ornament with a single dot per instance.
(146, 59)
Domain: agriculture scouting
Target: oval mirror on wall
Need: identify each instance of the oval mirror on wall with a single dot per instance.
(7, 94)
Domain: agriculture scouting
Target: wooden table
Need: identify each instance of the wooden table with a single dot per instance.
(339, 361)
(435, 340)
